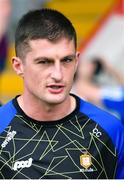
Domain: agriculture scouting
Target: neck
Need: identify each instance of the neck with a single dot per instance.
(45, 112)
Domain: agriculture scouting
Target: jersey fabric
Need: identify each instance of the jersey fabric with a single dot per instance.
(86, 144)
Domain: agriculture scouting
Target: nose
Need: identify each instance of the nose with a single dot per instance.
(57, 72)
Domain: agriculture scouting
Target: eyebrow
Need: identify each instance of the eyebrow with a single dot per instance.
(71, 56)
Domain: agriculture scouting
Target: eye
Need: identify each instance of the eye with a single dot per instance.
(45, 61)
(67, 60)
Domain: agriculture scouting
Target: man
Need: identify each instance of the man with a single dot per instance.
(47, 132)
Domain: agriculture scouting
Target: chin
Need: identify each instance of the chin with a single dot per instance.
(56, 99)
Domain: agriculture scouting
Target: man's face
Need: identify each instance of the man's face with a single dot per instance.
(48, 70)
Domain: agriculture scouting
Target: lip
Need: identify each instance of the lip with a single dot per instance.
(55, 90)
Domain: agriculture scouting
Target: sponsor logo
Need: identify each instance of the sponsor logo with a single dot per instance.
(10, 136)
(22, 164)
(96, 132)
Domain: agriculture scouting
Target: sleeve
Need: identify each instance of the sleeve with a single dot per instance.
(7, 112)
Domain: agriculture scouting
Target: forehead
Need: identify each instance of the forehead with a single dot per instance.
(46, 47)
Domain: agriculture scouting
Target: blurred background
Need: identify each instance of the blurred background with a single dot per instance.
(99, 25)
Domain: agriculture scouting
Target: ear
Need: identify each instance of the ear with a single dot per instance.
(18, 66)
(77, 59)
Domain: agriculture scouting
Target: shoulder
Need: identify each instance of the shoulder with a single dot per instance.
(108, 122)
(7, 112)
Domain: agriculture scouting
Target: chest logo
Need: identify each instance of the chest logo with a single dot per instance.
(85, 161)
(22, 164)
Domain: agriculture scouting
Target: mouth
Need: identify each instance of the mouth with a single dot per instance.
(55, 88)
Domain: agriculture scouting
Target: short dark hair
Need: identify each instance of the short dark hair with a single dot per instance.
(42, 24)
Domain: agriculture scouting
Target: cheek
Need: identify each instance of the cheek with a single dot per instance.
(39, 78)
(31, 76)
(70, 74)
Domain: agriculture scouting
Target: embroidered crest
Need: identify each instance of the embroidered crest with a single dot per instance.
(85, 160)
